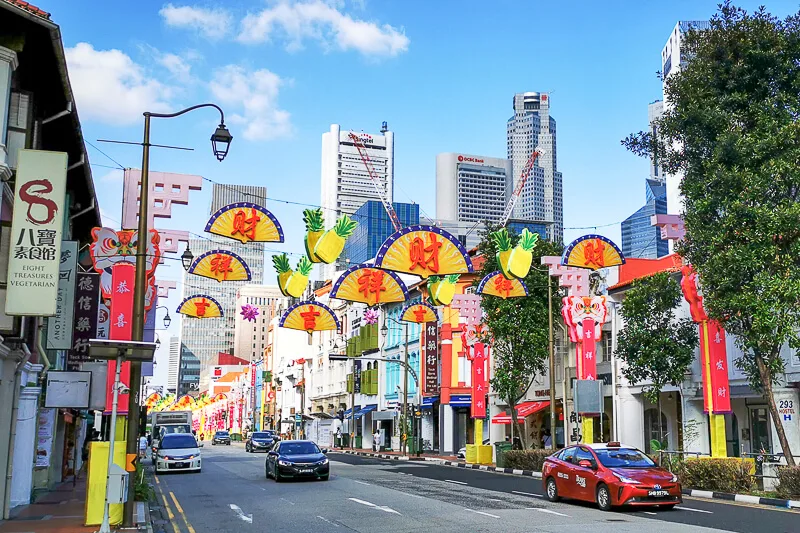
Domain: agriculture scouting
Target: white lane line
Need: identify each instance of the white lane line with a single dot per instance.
(481, 512)
(415, 495)
(360, 482)
(362, 502)
(238, 510)
(648, 512)
(527, 494)
(287, 501)
(494, 499)
(328, 521)
(388, 510)
(456, 482)
(548, 511)
(694, 510)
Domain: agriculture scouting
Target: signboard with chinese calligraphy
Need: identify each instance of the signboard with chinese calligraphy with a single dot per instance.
(424, 251)
(221, 265)
(200, 306)
(584, 317)
(87, 293)
(496, 284)
(593, 252)
(120, 328)
(479, 381)
(35, 251)
(309, 316)
(103, 316)
(419, 313)
(357, 376)
(245, 222)
(431, 347)
(369, 285)
(59, 327)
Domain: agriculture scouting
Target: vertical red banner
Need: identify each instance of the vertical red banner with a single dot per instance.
(705, 370)
(589, 360)
(120, 328)
(718, 363)
(479, 381)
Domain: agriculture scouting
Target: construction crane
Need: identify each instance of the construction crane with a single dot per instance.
(523, 177)
(362, 151)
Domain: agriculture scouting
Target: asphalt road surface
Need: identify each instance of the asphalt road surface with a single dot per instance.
(368, 495)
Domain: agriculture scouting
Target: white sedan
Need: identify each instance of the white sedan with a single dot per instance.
(177, 452)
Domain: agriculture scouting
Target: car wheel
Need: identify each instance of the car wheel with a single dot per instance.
(276, 475)
(227, 444)
(266, 471)
(213, 443)
(603, 498)
(552, 490)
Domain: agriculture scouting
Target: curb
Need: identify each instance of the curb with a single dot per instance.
(742, 498)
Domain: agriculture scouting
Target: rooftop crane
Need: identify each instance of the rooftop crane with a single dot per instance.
(523, 177)
(362, 151)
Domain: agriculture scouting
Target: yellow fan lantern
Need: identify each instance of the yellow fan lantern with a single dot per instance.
(245, 222)
(221, 265)
(419, 313)
(369, 285)
(424, 251)
(309, 316)
(200, 306)
(593, 252)
(496, 284)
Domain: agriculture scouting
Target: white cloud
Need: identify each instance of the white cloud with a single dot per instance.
(323, 22)
(211, 23)
(176, 65)
(255, 94)
(110, 87)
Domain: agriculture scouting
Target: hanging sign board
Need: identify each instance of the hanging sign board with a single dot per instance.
(59, 327)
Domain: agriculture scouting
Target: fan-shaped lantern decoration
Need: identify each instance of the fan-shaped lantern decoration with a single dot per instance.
(309, 316)
(369, 285)
(152, 400)
(220, 397)
(497, 284)
(245, 222)
(419, 313)
(200, 306)
(593, 252)
(221, 265)
(424, 251)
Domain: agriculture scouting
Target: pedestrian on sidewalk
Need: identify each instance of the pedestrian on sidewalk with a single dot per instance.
(548, 439)
(376, 440)
(142, 447)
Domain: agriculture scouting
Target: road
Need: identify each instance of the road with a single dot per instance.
(369, 495)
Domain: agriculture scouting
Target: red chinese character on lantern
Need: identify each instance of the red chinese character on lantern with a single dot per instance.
(201, 307)
(593, 253)
(503, 285)
(246, 227)
(310, 318)
(371, 282)
(221, 265)
(419, 314)
(418, 250)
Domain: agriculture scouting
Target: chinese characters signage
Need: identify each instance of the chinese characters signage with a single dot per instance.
(593, 252)
(245, 222)
(35, 251)
(120, 327)
(87, 291)
(369, 286)
(431, 339)
(357, 376)
(425, 251)
(479, 381)
(59, 327)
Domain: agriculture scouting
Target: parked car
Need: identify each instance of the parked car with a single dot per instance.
(611, 475)
(260, 441)
(178, 451)
(221, 437)
(297, 459)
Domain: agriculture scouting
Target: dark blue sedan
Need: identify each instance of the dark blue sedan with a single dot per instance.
(297, 459)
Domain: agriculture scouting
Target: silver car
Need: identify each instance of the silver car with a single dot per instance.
(178, 452)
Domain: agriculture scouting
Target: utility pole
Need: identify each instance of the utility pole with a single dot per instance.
(405, 396)
(552, 362)
(303, 401)
(353, 409)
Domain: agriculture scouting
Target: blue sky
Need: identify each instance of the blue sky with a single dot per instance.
(441, 73)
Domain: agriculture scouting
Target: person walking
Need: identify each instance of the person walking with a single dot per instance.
(376, 440)
(142, 447)
(548, 439)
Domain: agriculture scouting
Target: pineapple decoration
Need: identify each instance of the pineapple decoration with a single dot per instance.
(442, 289)
(298, 279)
(315, 228)
(331, 243)
(281, 264)
(515, 262)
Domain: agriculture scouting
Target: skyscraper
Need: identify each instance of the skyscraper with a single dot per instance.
(374, 227)
(173, 370)
(250, 336)
(532, 127)
(472, 188)
(640, 239)
(201, 338)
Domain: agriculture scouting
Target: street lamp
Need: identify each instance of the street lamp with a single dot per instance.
(158, 342)
(167, 319)
(187, 257)
(404, 418)
(221, 141)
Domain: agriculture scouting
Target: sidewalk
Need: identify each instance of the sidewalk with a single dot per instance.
(397, 455)
(60, 510)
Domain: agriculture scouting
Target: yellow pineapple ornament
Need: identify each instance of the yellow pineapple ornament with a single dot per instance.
(315, 228)
(298, 280)
(330, 245)
(281, 264)
(519, 262)
(442, 290)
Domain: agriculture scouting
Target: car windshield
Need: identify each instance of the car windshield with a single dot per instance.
(221, 434)
(623, 458)
(261, 436)
(299, 448)
(169, 430)
(178, 442)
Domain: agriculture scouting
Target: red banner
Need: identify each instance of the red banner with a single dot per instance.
(588, 368)
(479, 381)
(121, 328)
(718, 363)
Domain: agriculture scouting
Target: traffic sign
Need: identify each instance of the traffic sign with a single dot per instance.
(130, 462)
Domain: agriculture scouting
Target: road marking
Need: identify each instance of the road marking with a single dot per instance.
(245, 517)
(360, 482)
(287, 501)
(548, 511)
(481, 512)
(328, 521)
(648, 512)
(527, 494)
(456, 482)
(370, 504)
(387, 509)
(415, 495)
(157, 481)
(695, 510)
(494, 499)
(180, 510)
(169, 514)
(362, 502)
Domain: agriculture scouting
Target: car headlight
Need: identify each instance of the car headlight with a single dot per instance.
(624, 479)
(674, 478)
(284, 463)
(323, 462)
(191, 457)
(166, 457)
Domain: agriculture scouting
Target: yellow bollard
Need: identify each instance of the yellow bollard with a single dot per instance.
(472, 454)
(719, 447)
(484, 454)
(587, 430)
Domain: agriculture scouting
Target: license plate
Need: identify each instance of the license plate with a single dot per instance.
(658, 493)
(180, 465)
(306, 470)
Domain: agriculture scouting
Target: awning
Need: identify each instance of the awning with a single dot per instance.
(428, 401)
(524, 409)
(366, 409)
(462, 400)
(347, 413)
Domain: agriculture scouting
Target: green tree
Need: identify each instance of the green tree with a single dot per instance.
(732, 131)
(655, 345)
(518, 326)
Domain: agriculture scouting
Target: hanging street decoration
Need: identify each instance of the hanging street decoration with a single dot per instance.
(309, 316)
(220, 265)
(497, 284)
(330, 245)
(593, 252)
(200, 306)
(584, 317)
(284, 270)
(250, 312)
(423, 251)
(442, 289)
(315, 227)
(152, 400)
(515, 262)
(371, 316)
(245, 222)
(298, 279)
(419, 313)
(369, 285)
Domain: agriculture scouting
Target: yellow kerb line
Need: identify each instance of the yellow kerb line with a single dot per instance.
(169, 514)
(180, 510)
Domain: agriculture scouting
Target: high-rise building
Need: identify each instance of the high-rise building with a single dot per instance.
(198, 338)
(640, 239)
(654, 112)
(250, 336)
(188, 373)
(532, 127)
(173, 369)
(472, 188)
(374, 227)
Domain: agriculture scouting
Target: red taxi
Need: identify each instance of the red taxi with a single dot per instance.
(610, 474)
